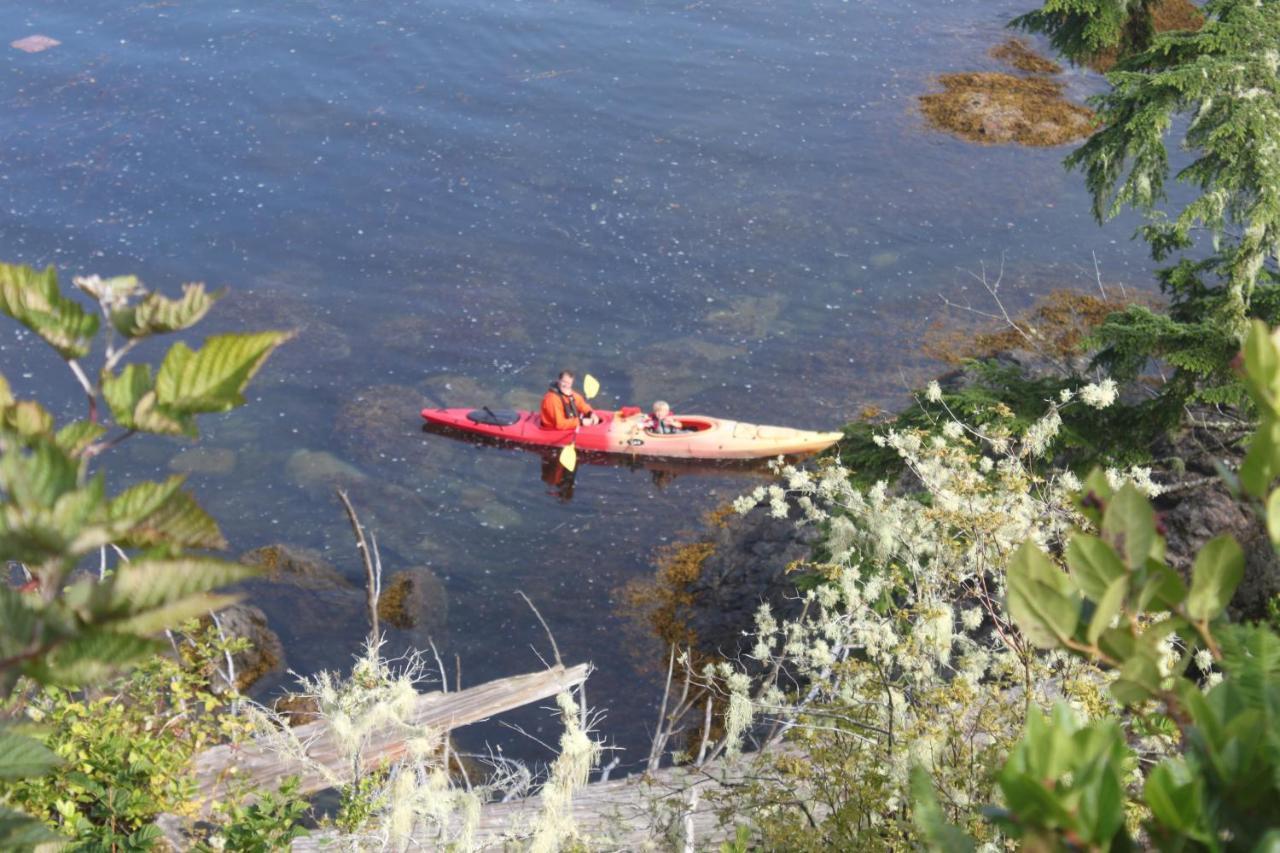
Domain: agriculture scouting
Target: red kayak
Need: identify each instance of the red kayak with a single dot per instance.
(703, 437)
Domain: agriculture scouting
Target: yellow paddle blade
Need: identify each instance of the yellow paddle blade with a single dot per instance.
(569, 457)
(590, 387)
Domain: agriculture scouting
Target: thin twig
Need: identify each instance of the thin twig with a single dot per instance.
(372, 582)
(87, 386)
(554, 648)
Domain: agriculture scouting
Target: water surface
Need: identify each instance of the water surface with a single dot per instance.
(734, 206)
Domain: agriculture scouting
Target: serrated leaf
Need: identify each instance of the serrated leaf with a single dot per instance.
(1218, 570)
(1093, 565)
(90, 656)
(1129, 524)
(38, 477)
(213, 379)
(157, 314)
(27, 418)
(22, 756)
(20, 832)
(174, 613)
(77, 435)
(133, 402)
(180, 522)
(1109, 605)
(32, 298)
(1041, 599)
(139, 501)
(144, 585)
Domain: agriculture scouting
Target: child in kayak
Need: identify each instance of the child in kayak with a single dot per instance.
(660, 420)
(565, 408)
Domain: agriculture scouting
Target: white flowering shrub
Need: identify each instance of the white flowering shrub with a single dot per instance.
(905, 653)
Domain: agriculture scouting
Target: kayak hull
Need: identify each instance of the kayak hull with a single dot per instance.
(705, 437)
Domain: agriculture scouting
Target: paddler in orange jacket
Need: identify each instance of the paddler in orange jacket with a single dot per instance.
(565, 408)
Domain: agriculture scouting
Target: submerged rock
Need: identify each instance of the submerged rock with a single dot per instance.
(204, 460)
(380, 426)
(300, 567)
(320, 470)
(994, 108)
(749, 316)
(414, 599)
(1018, 53)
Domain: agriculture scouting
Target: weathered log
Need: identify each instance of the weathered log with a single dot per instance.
(257, 765)
(664, 810)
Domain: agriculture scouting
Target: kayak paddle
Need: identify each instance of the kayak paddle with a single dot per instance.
(569, 455)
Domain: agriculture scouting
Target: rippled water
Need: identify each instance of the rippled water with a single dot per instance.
(734, 206)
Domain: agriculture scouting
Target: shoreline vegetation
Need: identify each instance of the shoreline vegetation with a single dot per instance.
(1037, 609)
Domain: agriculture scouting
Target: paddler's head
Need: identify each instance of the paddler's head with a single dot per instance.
(565, 382)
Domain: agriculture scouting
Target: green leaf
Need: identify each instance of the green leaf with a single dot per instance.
(180, 522)
(1218, 570)
(1129, 524)
(1041, 598)
(90, 656)
(27, 418)
(1273, 517)
(1261, 363)
(1093, 564)
(1108, 606)
(19, 832)
(22, 756)
(137, 502)
(1162, 590)
(77, 435)
(132, 398)
(1139, 677)
(32, 298)
(143, 585)
(174, 613)
(213, 379)
(1175, 796)
(1260, 461)
(39, 477)
(938, 833)
(6, 394)
(157, 314)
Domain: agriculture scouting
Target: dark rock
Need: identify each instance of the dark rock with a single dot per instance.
(1198, 506)
(300, 567)
(297, 709)
(747, 567)
(265, 655)
(414, 598)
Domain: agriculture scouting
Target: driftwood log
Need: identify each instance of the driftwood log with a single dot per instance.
(666, 809)
(258, 765)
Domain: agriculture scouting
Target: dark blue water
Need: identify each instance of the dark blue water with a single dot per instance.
(734, 206)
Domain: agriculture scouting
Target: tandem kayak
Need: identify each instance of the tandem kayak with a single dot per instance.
(623, 432)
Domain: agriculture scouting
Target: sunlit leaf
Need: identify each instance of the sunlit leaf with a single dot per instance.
(133, 402)
(32, 298)
(181, 522)
(90, 656)
(213, 378)
(21, 832)
(143, 585)
(77, 435)
(1218, 570)
(38, 477)
(22, 756)
(157, 314)
(1041, 599)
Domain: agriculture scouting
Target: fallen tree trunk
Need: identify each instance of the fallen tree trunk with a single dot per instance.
(258, 765)
(664, 810)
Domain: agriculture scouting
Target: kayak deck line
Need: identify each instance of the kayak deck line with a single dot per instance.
(703, 436)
